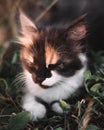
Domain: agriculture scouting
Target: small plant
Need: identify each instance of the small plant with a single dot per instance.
(94, 85)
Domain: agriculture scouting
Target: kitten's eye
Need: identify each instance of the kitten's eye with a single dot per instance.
(32, 68)
(60, 65)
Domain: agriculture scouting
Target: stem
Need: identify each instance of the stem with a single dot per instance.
(46, 10)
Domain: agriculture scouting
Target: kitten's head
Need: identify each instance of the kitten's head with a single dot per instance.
(51, 53)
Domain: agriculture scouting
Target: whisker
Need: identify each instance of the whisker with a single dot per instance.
(19, 80)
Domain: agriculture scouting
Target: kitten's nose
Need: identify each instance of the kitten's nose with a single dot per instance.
(42, 74)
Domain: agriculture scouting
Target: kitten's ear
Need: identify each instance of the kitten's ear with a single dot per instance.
(27, 25)
(28, 29)
(77, 30)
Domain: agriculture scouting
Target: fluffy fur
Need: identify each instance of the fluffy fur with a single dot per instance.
(54, 62)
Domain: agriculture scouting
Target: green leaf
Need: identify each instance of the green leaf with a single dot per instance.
(19, 121)
(64, 105)
(79, 109)
(59, 128)
(102, 94)
(87, 75)
(36, 129)
(86, 87)
(95, 87)
(55, 119)
(96, 77)
(3, 86)
(92, 127)
(15, 57)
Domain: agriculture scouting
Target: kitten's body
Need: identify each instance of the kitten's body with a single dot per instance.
(54, 62)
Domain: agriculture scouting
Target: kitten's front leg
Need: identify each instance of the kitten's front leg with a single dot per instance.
(36, 109)
(57, 108)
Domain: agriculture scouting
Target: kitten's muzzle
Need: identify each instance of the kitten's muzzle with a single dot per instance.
(42, 74)
(39, 80)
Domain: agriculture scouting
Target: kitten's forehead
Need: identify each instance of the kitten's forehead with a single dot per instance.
(51, 55)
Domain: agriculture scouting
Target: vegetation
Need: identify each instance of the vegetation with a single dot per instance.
(85, 114)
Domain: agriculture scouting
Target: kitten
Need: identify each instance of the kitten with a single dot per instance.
(54, 62)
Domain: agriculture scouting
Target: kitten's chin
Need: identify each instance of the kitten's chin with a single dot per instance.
(45, 86)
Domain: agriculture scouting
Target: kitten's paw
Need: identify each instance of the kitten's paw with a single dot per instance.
(57, 108)
(37, 110)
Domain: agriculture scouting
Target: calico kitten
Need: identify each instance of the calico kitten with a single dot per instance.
(54, 61)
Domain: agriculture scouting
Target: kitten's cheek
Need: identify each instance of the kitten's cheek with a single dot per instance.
(34, 77)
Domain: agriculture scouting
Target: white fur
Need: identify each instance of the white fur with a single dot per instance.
(36, 109)
(55, 78)
(56, 107)
(63, 88)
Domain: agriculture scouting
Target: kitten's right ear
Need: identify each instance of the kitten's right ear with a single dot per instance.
(78, 29)
(28, 30)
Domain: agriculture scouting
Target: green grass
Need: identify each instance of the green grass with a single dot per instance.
(85, 114)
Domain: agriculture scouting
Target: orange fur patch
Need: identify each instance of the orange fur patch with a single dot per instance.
(27, 55)
(25, 41)
(51, 55)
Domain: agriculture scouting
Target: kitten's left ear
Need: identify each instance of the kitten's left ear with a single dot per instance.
(27, 25)
(77, 30)
(28, 30)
